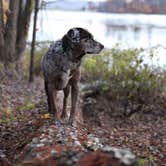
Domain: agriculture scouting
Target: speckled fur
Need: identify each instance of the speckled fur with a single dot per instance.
(56, 65)
(61, 66)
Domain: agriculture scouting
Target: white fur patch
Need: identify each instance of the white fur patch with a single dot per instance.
(76, 35)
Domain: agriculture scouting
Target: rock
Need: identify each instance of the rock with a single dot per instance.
(72, 147)
(75, 158)
(35, 140)
(93, 143)
(3, 159)
(125, 156)
(99, 158)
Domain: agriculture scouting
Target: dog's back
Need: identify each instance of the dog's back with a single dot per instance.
(51, 59)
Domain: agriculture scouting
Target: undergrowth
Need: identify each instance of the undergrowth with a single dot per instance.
(133, 81)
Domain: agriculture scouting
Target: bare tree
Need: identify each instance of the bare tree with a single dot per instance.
(1, 30)
(31, 68)
(22, 26)
(13, 34)
(10, 34)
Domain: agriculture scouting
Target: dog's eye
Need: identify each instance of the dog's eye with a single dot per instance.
(86, 40)
(59, 79)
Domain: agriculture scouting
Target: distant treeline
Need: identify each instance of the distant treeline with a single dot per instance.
(134, 6)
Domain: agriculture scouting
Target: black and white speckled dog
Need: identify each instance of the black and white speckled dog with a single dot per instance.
(61, 67)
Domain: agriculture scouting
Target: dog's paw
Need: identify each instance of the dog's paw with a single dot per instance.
(64, 116)
(72, 122)
(57, 121)
(55, 118)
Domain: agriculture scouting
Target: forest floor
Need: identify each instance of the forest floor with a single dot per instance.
(24, 117)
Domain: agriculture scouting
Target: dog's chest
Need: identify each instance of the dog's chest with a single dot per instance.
(56, 62)
(67, 65)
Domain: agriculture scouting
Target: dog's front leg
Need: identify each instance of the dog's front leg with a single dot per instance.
(51, 97)
(74, 97)
(65, 101)
(74, 82)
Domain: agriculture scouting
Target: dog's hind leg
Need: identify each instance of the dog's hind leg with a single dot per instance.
(65, 101)
(47, 95)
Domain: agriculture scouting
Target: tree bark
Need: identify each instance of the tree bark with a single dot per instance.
(1, 14)
(22, 27)
(1, 31)
(11, 32)
(31, 68)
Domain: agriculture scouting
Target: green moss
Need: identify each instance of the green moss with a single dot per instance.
(27, 106)
(141, 162)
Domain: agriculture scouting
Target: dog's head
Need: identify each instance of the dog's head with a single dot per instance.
(81, 41)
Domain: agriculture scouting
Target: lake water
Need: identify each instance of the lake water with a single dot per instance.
(130, 30)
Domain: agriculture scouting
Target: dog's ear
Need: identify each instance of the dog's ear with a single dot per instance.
(74, 35)
(65, 42)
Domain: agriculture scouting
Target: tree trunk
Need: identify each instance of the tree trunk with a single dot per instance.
(13, 33)
(22, 30)
(1, 31)
(1, 14)
(22, 27)
(31, 68)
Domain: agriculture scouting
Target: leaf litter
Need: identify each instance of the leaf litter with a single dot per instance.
(24, 120)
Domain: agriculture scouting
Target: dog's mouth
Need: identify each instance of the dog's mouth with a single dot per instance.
(89, 52)
(102, 46)
(96, 51)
